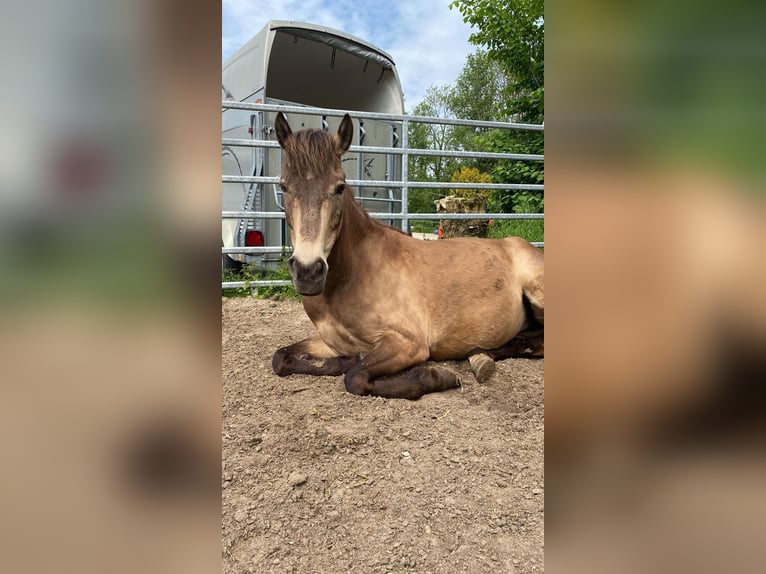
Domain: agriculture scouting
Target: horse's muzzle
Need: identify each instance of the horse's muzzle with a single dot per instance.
(308, 279)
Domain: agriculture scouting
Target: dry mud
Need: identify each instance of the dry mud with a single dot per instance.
(316, 480)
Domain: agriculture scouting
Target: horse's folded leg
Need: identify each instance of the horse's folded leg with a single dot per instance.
(437, 378)
(528, 346)
(338, 365)
(482, 366)
(304, 358)
(410, 385)
(417, 382)
(538, 346)
(357, 381)
(522, 347)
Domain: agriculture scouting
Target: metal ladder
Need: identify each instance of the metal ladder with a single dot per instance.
(254, 194)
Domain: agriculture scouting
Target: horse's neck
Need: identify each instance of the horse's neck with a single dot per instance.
(357, 227)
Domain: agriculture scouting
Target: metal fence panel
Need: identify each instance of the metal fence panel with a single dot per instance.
(399, 149)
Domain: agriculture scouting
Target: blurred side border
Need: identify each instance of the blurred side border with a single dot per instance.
(110, 286)
(655, 222)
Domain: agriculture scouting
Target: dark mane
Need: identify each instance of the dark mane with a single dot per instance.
(311, 152)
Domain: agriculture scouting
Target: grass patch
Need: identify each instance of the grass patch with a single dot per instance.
(250, 275)
(529, 229)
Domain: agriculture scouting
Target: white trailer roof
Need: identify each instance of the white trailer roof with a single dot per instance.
(316, 66)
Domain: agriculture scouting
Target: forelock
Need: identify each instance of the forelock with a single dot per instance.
(311, 152)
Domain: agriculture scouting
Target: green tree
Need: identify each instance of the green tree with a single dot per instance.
(479, 91)
(509, 171)
(512, 31)
(430, 136)
(478, 94)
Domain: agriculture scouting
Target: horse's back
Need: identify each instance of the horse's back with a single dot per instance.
(475, 258)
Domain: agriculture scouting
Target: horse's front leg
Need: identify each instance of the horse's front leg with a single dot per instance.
(390, 356)
(301, 358)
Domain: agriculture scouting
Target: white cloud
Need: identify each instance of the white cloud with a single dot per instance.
(427, 40)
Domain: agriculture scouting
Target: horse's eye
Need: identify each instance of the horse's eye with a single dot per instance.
(283, 187)
(340, 188)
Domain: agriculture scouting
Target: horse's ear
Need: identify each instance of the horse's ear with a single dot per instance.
(283, 129)
(345, 134)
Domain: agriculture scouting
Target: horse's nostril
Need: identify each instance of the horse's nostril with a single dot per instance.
(319, 268)
(311, 272)
(314, 271)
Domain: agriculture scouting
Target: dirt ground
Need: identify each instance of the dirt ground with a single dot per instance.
(317, 480)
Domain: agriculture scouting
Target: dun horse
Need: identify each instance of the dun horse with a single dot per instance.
(383, 302)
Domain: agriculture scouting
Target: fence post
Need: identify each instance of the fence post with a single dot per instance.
(405, 174)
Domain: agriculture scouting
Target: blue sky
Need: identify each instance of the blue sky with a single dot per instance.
(427, 40)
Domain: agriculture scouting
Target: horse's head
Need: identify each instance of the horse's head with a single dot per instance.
(313, 183)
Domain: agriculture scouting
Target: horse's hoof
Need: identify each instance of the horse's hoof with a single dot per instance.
(443, 377)
(280, 363)
(451, 380)
(482, 366)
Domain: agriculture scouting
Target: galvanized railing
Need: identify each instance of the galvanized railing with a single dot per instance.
(404, 184)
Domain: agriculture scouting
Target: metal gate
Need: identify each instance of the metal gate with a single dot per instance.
(399, 152)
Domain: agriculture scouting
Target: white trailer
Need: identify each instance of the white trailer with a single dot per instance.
(302, 64)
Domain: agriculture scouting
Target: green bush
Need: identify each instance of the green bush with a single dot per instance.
(248, 274)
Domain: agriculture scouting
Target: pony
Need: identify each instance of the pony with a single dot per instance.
(384, 303)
